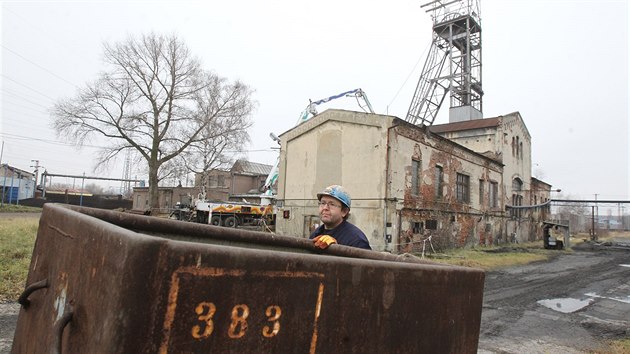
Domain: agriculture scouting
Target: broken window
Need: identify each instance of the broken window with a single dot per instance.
(439, 178)
(493, 198)
(481, 182)
(463, 188)
(431, 224)
(417, 227)
(416, 173)
(517, 184)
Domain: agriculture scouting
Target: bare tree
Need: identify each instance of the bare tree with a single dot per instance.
(576, 213)
(213, 151)
(94, 188)
(216, 148)
(156, 100)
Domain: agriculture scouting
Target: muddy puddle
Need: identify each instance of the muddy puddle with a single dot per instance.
(565, 305)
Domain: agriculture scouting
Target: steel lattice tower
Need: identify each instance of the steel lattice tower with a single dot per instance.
(452, 65)
(125, 187)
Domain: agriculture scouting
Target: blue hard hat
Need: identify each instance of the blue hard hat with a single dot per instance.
(337, 192)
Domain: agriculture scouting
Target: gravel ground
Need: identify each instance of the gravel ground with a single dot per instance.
(532, 308)
(8, 318)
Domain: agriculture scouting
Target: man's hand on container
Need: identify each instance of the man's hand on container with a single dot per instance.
(323, 241)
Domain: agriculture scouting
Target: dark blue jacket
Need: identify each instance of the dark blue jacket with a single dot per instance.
(346, 234)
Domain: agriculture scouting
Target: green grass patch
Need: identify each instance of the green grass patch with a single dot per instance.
(493, 257)
(17, 238)
(12, 208)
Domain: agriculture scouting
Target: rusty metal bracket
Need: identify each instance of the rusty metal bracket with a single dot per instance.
(58, 328)
(23, 299)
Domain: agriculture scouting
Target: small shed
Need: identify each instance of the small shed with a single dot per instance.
(555, 235)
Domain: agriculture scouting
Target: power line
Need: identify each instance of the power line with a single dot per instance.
(23, 98)
(46, 34)
(28, 87)
(20, 114)
(37, 65)
(408, 76)
(23, 94)
(22, 137)
(25, 107)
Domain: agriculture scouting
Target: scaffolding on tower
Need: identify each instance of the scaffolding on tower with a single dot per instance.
(453, 64)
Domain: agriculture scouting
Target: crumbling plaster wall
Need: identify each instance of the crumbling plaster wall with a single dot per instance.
(335, 147)
(456, 224)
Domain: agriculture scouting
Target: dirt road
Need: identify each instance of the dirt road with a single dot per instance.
(570, 304)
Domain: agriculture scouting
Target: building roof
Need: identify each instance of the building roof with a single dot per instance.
(68, 191)
(23, 173)
(539, 181)
(466, 125)
(248, 167)
(486, 155)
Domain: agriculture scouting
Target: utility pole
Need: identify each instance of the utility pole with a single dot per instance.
(596, 212)
(5, 175)
(593, 234)
(36, 174)
(82, 183)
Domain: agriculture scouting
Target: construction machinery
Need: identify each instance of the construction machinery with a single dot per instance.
(311, 108)
(228, 214)
(308, 113)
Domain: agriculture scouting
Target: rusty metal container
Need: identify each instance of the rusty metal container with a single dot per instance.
(110, 282)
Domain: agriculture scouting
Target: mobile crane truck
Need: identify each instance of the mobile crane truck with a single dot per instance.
(228, 214)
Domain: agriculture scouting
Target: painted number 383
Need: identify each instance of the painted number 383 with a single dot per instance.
(238, 321)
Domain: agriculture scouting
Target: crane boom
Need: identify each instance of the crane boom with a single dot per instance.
(357, 93)
(309, 112)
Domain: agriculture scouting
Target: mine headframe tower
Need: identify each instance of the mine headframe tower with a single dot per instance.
(452, 65)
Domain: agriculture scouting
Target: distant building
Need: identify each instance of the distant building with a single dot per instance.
(244, 178)
(242, 181)
(16, 184)
(168, 197)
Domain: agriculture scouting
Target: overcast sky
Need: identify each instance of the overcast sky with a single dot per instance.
(562, 64)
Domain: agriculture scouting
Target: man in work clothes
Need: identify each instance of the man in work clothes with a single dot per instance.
(334, 209)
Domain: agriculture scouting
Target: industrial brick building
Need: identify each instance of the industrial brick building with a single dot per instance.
(507, 140)
(455, 183)
(244, 177)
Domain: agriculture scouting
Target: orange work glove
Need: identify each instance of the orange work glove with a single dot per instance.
(323, 241)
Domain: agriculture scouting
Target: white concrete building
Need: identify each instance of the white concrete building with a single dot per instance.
(16, 184)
